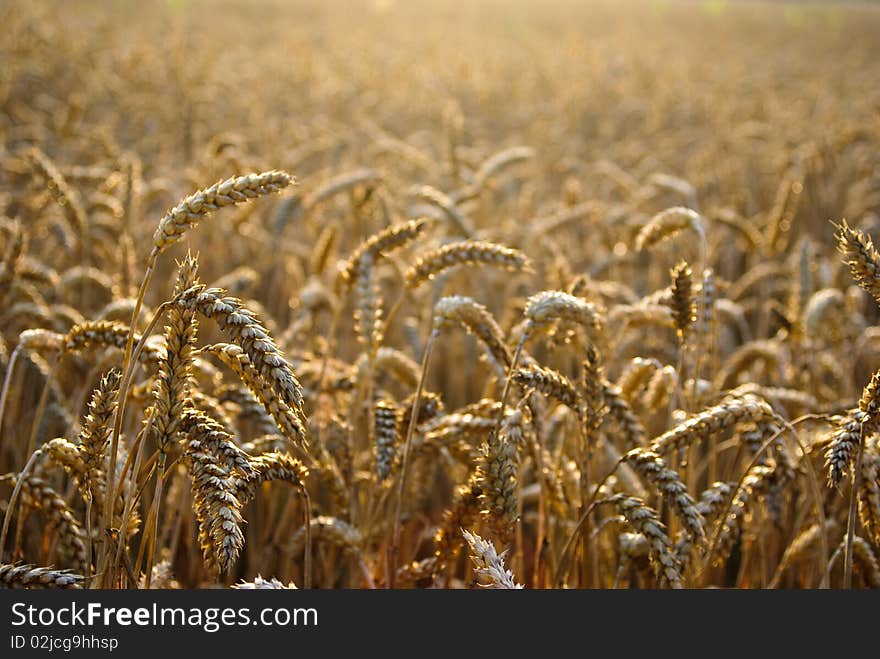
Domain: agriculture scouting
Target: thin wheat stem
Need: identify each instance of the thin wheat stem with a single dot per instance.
(851, 514)
(13, 358)
(41, 405)
(566, 553)
(393, 547)
(814, 484)
(701, 305)
(154, 510)
(127, 369)
(505, 393)
(307, 559)
(13, 498)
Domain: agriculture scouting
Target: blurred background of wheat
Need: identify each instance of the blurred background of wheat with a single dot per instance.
(643, 436)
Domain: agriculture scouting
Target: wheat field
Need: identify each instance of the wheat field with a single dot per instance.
(439, 294)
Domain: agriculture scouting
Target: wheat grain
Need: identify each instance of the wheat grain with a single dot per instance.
(653, 468)
(387, 420)
(477, 320)
(246, 330)
(32, 577)
(469, 252)
(198, 205)
(645, 521)
(667, 224)
(711, 421)
(489, 563)
(392, 238)
(217, 508)
(259, 583)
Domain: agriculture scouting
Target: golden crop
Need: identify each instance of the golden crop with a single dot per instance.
(439, 294)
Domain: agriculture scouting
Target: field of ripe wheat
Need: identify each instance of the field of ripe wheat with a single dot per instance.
(437, 294)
